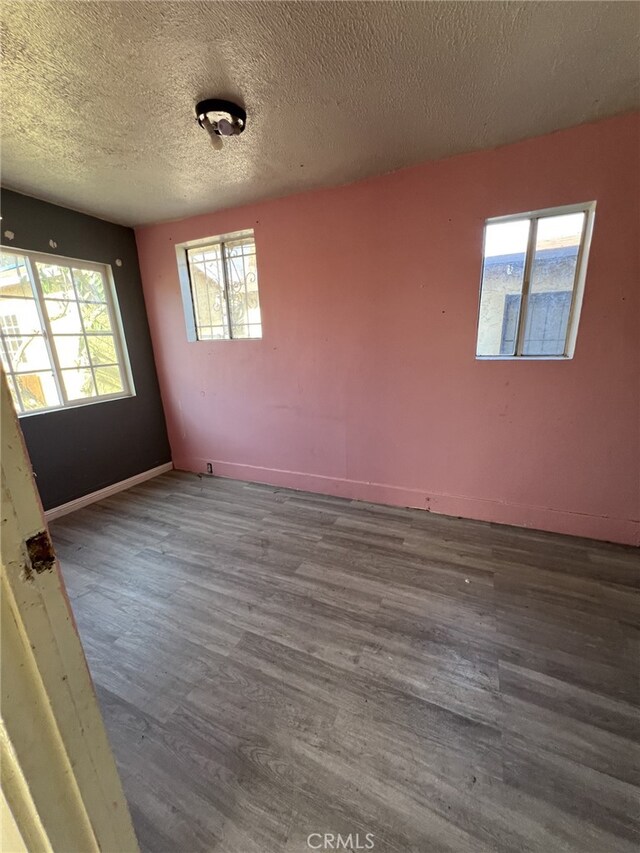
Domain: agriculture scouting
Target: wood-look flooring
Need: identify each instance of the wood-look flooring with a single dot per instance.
(272, 664)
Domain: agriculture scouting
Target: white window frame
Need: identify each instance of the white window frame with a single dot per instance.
(115, 318)
(184, 275)
(577, 294)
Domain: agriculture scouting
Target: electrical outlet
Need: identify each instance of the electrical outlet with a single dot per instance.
(209, 468)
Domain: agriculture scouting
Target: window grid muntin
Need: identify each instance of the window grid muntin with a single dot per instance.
(46, 328)
(84, 334)
(39, 299)
(588, 211)
(218, 250)
(222, 248)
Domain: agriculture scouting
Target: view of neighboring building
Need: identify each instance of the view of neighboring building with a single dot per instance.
(224, 289)
(553, 271)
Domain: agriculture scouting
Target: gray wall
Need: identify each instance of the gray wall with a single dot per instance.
(79, 450)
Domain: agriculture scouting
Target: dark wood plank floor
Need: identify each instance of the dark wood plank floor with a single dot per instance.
(272, 664)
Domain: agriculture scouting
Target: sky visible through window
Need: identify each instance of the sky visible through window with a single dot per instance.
(507, 238)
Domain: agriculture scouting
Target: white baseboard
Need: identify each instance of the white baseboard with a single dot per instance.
(85, 500)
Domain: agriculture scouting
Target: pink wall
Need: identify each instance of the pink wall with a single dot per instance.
(365, 382)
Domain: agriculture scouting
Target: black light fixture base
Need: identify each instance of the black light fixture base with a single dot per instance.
(223, 118)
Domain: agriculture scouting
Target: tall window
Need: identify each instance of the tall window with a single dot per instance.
(221, 297)
(533, 276)
(59, 337)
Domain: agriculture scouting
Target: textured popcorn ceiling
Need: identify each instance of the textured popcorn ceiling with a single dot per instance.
(98, 97)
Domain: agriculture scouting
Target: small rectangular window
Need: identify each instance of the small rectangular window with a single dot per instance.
(533, 274)
(60, 338)
(221, 299)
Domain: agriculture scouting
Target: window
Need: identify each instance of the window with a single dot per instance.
(60, 340)
(533, 276)
(219, 281)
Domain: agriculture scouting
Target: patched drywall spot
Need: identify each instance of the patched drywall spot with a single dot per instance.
(9, 235)
(118, 262)
(53, 244)
(41, 554)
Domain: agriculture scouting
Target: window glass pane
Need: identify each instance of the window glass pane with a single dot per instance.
(14, 396)
(510, 323)
(108, 380)
(95, 317)
(102, 349)
(28, 354)
(207, 290)
(213, 333)
(242, 279)
(240, 330)
(551, 286)
(547, 319)
(505, 248)
(78, 383)
(55, 281)
(37, 390)
(71, 350)
(19, 316)
(89, 285)
(64, 317)
(241, 246)
(14, 279)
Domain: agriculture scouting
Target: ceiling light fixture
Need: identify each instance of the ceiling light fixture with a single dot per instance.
(220, 119)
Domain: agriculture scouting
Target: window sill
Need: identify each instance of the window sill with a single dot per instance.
(79, 405)
(220, 340)
(524, 357)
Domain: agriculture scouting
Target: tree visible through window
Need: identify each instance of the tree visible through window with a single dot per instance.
(532, 280)
(60, 344)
